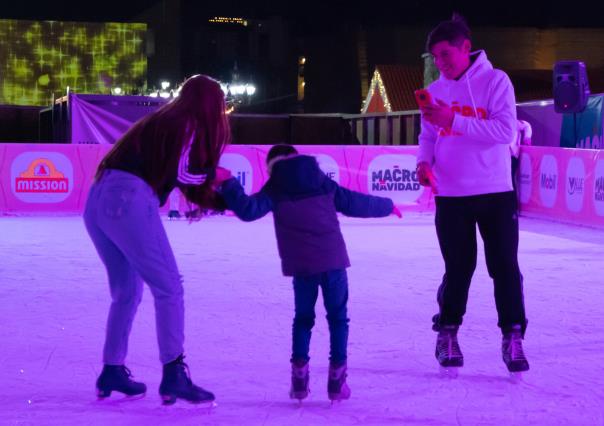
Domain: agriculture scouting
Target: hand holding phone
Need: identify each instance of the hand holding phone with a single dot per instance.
(423, 97)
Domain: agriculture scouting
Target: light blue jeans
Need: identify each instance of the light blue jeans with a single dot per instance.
(122, 219)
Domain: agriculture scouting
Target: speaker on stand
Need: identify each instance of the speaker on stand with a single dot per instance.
(571, 89)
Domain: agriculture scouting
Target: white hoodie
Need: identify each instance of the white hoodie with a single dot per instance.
(473, 156)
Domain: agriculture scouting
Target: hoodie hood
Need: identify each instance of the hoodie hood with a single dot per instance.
(479, 63)
(297, 174)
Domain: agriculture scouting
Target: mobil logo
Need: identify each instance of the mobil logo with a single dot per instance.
(41, 177)
(240, 168)
(548, 180)
(394, 176)
(525, 178)
(575, 184)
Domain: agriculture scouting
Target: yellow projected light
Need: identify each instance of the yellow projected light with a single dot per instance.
(39, 59)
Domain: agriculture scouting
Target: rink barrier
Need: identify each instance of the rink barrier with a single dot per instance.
(54, 178)
(556, 183)
(563, 184)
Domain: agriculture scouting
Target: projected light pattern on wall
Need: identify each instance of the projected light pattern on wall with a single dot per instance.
(39, 59)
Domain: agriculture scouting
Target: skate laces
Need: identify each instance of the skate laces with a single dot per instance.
(186, 370)
(515, 344)
(448, 345)
(127, 371)
(184, 367)
(337, 373)
(299, 372)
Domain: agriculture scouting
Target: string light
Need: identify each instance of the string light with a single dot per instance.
(377, 82)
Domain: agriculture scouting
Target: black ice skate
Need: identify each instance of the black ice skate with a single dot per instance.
(299, 388)
(447, 352)
(176, 383)
(511, 350)
(173, 214)
(337, 388)
(118, 378)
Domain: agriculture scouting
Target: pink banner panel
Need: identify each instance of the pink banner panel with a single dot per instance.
(389, 171)
(44, 178)
(555, 183)
(562, 184)
(377, 170)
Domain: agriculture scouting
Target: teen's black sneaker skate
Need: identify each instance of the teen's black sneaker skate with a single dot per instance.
(176, 384)
(173, 214)
(511, 350)
(447, 351)
(337, 388)
(118, 378)
(299, 388)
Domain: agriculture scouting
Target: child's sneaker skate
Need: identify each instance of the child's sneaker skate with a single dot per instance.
(299, 388)
(118, 378)
(511, 350)
(337, 388)
(176, 383)
(448, 352)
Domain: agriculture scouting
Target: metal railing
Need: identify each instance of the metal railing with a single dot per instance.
(394, 128)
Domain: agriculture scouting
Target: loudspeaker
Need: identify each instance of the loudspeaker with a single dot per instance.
(571, 88)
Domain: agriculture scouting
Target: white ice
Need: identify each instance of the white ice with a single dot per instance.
(54, 299)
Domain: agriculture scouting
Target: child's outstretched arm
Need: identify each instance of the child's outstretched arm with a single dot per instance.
(352, 203)
(246, 207)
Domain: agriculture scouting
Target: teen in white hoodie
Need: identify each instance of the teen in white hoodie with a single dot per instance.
(464, 156)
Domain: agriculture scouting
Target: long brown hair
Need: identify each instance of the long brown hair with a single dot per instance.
(159, 138)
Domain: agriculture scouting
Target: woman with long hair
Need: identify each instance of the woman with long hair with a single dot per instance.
(179, 145)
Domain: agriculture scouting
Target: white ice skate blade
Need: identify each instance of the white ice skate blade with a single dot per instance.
(448, 372)
(119, 399)
(515, 376)
(334, 402)
(298, 400)
(202, 407)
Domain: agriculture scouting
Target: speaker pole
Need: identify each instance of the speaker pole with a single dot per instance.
(575, 127)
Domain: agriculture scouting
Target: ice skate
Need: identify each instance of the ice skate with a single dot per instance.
(173, 214)
(447, 352)
(118, 378)
(512, 352)
(299, 387)
(176, 384)
(337, 388)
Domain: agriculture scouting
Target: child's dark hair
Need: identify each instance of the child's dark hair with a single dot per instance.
(454, 31)
(280, 150)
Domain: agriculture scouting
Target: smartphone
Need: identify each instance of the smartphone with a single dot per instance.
(423, 97)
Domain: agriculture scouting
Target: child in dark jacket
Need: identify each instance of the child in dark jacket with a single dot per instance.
(305, 202)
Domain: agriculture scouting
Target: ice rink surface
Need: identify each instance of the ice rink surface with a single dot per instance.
(54, 300)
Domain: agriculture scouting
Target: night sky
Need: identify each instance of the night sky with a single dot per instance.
(324, 30)
(314, 14)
